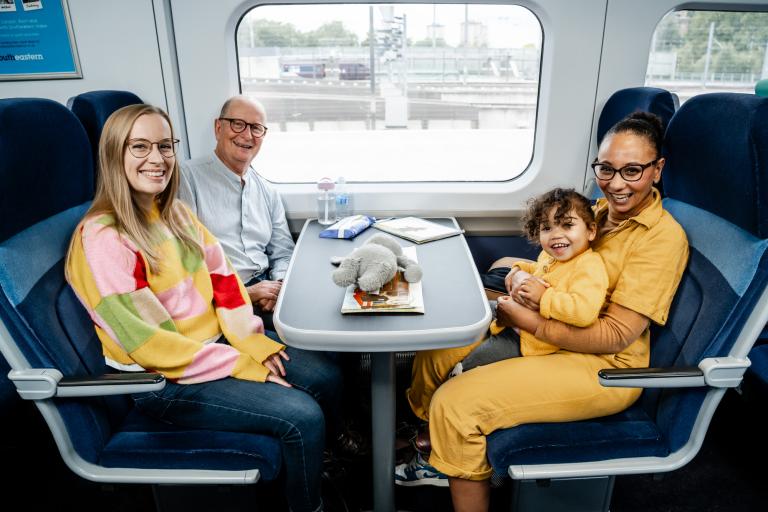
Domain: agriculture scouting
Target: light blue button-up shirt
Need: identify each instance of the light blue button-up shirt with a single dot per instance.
(248, 219)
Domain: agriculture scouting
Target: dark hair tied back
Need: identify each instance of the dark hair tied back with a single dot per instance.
(643, 124)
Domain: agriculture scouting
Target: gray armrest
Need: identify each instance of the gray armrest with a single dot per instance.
(718, 372)
(41, 383)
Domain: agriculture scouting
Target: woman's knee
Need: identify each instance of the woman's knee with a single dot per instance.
(447, 406)
(506, 261)
(304, 416)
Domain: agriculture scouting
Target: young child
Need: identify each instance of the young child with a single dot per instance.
(563, 223)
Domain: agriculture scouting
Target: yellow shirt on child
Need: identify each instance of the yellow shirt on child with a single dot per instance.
(575, 296)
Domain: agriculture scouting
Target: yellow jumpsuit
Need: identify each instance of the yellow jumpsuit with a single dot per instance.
(644, 257)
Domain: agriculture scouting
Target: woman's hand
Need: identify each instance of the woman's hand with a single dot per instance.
(531, 291)
(278, 380)
(512, 314)
(274, 364)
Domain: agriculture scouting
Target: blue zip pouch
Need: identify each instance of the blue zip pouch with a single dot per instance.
(348, 227)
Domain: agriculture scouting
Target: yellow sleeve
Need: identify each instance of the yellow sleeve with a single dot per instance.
(525, 266)
(578, 299)
(652, 271)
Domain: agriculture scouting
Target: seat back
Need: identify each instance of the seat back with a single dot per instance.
(44, 195)
(93, 108)
(717, 166)
(634, 99)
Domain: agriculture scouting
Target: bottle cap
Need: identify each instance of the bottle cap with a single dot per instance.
(325, 184)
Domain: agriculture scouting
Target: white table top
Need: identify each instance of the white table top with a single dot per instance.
(308, 316)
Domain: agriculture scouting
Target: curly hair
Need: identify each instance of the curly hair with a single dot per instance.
(565, 200)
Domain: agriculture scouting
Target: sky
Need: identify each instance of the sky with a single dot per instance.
(508, 26)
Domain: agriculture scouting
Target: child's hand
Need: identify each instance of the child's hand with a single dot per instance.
(531, 291)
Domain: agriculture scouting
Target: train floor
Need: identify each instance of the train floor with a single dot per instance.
(722, 477)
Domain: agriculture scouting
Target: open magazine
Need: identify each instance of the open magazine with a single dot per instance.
(396, 296)
(416, 229)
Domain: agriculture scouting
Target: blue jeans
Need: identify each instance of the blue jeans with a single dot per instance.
(293, 415)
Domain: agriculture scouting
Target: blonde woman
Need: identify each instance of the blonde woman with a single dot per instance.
(164, 298)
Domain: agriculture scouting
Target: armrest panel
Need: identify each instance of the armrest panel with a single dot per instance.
(676, 377)
(42, 383)
(716, 372)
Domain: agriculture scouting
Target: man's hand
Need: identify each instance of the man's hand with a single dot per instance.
(274, 364)
(264, 294)
(512, 314)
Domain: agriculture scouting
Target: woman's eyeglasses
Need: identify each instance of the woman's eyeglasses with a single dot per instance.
(258, 130)
(141, 148)
(632, 172)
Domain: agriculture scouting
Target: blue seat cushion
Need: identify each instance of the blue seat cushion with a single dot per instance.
(143, 442)
(630, 433)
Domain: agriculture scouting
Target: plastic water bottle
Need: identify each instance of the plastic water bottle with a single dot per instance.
(326, 202)
(343, 199)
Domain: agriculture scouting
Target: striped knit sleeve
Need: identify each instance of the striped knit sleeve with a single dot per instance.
(242, 328)
(110, 277)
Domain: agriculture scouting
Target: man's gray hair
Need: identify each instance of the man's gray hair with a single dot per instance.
(225, 106)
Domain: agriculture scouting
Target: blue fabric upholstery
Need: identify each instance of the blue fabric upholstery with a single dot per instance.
(625, 101)
(727, 270)
(27, 162)
(93, 108)
(53, 330)
(736, 186)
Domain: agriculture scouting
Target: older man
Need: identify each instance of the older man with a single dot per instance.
(239, 206)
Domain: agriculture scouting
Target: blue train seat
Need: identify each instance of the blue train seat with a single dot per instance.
(625, 101)
(717, 167)
(757, 374)
(48, 338)
(93, 108)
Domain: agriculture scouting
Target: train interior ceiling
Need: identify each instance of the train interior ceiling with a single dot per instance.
(426, 109)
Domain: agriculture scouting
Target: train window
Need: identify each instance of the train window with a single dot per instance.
(693, 52)
(394, 93)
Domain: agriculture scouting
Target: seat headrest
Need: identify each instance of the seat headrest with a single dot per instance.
(45, 163)
(93, 108)
(716, 148)
(625, 101)
(761, 88)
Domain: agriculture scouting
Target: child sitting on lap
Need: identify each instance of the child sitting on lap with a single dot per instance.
(568, 281)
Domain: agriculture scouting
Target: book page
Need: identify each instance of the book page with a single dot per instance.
(416, 229)
(396, 296)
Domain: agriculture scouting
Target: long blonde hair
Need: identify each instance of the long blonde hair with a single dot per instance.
(113, 192)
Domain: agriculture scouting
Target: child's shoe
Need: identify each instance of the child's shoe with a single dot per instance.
(419, 472)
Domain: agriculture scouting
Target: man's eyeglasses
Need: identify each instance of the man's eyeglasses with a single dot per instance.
(632, 172)
(258, 130)
(141, 148)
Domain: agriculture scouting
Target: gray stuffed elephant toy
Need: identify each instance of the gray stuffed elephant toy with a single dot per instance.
(375, 263)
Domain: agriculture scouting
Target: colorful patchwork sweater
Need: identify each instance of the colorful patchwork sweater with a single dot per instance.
(167, 322)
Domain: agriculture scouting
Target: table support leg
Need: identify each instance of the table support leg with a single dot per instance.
(383, 430)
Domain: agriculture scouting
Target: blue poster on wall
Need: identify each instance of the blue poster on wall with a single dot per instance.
(36, 40)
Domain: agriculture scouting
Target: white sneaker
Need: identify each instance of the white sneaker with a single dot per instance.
(419, 472)
(457, 370)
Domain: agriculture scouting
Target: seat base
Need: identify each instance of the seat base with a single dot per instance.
(572, 495)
